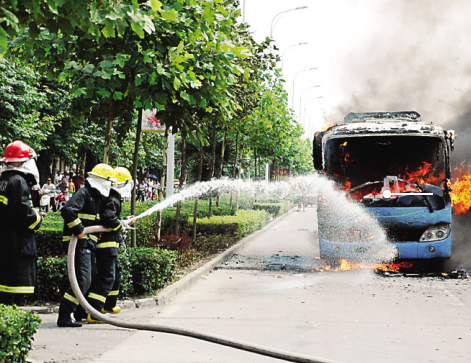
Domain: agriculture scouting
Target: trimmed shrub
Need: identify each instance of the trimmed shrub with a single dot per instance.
(151, 268)
(144, 270)
(275, 209)
(242, 224)
(52, 279)
(49, 236)
(17, 328)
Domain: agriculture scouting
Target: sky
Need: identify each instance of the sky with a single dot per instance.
(372, 55)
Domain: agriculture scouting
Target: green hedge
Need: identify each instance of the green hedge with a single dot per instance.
(149, 270)
(17, 328)
(52, 279)
(242, 224)
(275, 209)
(144, 270)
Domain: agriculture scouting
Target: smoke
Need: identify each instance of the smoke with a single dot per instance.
(460, 248)
(412, 55)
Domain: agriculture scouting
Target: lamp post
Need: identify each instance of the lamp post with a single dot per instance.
(305, 106)
(291, 46)
(279, 15)
(301, 98)
(294, 82)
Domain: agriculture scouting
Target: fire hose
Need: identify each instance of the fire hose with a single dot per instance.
(254, 348)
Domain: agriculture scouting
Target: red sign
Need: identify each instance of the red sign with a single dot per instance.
(280, 174)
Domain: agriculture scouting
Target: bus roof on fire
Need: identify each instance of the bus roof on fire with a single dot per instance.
(385, 123)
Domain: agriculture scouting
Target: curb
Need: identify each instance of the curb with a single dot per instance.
(172, 291)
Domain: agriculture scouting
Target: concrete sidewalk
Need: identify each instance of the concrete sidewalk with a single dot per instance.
(84, 344)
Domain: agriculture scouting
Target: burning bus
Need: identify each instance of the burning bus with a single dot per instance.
(398, 167)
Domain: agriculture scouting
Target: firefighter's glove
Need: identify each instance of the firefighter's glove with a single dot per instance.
(128, 222)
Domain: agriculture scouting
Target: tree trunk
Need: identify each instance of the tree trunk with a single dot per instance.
(162, 184)
(259, 169)
(255, 163)
(180, 186)
(211, 172)
(134, 174)
(83, 162)
(236, 155)
(239, 173)
(255, 167)
(223, 150)
(200, 172)
(109, 128)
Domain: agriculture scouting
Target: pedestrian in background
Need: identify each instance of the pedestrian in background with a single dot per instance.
(71, 188)
(50, 189)
(63, 186)
(18, 221)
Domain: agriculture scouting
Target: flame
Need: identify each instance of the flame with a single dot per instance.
(423, 175)
(346, 265)
(461, 189)
(327, 125)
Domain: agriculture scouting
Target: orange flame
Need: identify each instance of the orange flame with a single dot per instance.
(346, 265)
(423, 175)
(461, 189)
(327, 125)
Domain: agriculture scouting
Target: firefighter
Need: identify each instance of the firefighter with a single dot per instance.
(18, 221)
(82, 210)
(104, 291)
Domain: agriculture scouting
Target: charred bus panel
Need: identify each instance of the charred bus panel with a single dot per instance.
(397, 167)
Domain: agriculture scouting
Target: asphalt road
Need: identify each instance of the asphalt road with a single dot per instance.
(271, 294)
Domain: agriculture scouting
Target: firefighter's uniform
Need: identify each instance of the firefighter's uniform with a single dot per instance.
(82, 210)
(105, 287)
(18, 221)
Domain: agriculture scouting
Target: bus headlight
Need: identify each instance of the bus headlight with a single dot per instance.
(436, 233)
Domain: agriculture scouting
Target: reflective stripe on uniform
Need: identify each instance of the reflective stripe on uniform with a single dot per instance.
(71, 298)
(115, 229)
(114, 293)
(17, 289)
(3, 199)
(107, 245)
(90, 217)
(74, 223)
(90, 236)
(96, 297)
(38, 219)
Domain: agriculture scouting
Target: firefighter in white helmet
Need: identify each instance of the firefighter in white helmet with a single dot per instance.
(82, 210)
(18, 221)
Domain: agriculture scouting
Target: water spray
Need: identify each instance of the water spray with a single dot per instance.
(282, 190)
(217, 339)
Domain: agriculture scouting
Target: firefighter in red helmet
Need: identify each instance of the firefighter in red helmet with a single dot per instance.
(18, 221)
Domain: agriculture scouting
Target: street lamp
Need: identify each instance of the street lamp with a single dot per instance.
(301, 98)
(312, 98)
(294, 82)
(279, 15)
(291, 46)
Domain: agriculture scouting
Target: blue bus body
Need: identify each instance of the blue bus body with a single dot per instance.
(365, 152)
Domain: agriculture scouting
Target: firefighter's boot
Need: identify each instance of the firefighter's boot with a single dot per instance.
(64, 320)
(92, 320)
(115, 310)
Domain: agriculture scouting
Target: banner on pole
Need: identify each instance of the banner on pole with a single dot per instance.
(150, 123)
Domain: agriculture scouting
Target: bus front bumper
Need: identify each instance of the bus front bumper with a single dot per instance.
(402, 250)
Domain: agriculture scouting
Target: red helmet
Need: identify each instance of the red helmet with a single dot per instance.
(17, 152)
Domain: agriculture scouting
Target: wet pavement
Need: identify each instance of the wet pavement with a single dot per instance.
(271, 294)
